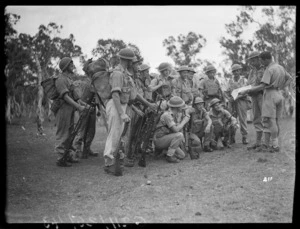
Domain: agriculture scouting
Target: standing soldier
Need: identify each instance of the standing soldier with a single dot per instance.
(64, 116)
(274, 79)
(163, 84)
(194, 83)
(210, 87)
(168, 134)
(122, 92)
(254, 78)
(241, 105)
(87, 94)
(144, 82)
(182, 86)
(202, 124)
(223, 123)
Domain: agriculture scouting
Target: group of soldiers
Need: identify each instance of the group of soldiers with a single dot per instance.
(191, 116)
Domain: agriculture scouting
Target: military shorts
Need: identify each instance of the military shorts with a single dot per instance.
(272, 104)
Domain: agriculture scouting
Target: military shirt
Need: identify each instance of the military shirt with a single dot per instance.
(166, 121)
(166, 89)
(122, 82)
(199, 115)
(143, 88)
(210, 87)
(182, 88)
(275, 76)
(64, 84)
(255, 76)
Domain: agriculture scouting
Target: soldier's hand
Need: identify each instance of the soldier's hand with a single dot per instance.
(125, 118)
(153, 106)
(87, 106)
(190, 110)
(207, 130)
(80, 108)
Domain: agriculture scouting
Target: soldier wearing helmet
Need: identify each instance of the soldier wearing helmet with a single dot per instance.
(122, 92)
(144, 82)
(254, 78)
(201, 125)
(163, 84)
(64, 117)
(194, 82)
(182, 86)
(274, 79)
(210, 87)
(223, 124)
(168, 135)
(240, 106)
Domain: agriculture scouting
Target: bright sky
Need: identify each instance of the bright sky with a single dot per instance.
(145, 26)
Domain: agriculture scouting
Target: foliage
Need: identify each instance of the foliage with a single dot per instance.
(184, 49)
(276, 34)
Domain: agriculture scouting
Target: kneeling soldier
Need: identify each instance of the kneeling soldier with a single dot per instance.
(223, 123)
(168, 134)
(201, 125)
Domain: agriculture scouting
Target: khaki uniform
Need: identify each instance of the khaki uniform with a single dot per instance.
(64, 117)
(165, 138)
(198, 128)
(87, 94)
(239, 107)
(210, 88)
(163, 90)
(121, 82)
(222, 124)
(183, 89)
(143, 88)
(275, 77)
(254, 79)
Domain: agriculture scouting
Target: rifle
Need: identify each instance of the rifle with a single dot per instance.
(119, 150)
(187, 130)
(149, 127)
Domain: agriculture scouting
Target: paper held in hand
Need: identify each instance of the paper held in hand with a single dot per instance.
(235, 92)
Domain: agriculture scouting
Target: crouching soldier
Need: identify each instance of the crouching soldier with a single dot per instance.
(201, 125)
(168, 134)
(223, 124)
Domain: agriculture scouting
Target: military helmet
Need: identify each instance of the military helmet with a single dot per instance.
(176, 101)
(183, 68)
(236, 67)
(198, 100)
(210, 68)
(64, 62)
(126, 53)
(163, 66)
(136, 60)
(214, 101)
(144, 67)
(192, 70)
(253, 54)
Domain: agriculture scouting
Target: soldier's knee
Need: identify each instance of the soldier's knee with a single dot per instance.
(179, 135)
(266, 122)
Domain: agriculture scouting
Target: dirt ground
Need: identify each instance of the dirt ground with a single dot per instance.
(229, 186)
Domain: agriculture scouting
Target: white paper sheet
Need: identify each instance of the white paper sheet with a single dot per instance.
(235, 92)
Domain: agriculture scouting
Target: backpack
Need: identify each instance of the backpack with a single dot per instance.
(50, 88)
(100, 80)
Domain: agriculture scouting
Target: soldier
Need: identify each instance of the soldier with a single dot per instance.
(87, 94)
(201, 124)
(254, 78)
(223, 124)
(122, 92)
(144, 82)
(168, 134)
(163, 84)
(210, 87)
(182, 86)
(64, 116)
(238, 107)
(195, 85)
(274, 78)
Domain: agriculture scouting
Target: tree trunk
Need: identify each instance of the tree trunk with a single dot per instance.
(40, 112)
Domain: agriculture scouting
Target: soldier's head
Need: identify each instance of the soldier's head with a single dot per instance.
(191, 73)
(265, 58)
(210, 71)
(253, 59)
(176, 104)
(236, 70)
(135, 64)
(164, 69)
(66, 65)
(199, 103)
(184, 72)
(126, 56)
(144, 70)
(215, 104)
